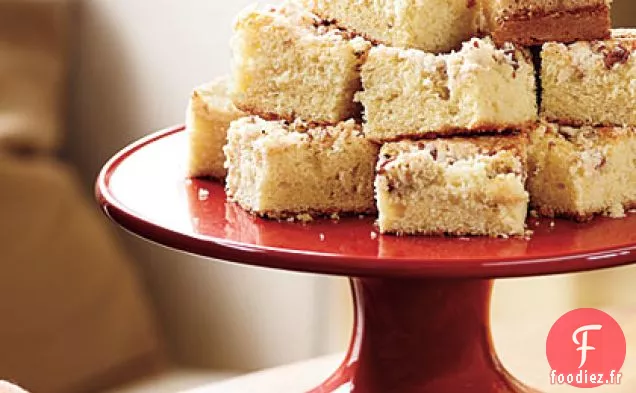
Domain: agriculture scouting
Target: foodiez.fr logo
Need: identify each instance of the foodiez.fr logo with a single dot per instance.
(586, 348)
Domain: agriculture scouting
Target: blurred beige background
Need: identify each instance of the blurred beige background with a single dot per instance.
(132, 68)
(138, 62)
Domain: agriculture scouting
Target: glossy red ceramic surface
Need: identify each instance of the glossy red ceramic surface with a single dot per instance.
(422, 336)
(144, 189)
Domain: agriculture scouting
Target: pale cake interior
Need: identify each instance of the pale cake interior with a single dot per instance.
(281, 170)
(288, 64)
(590, 83)
(580, 172)
(209, 114)
(413, 93)
(471, 186)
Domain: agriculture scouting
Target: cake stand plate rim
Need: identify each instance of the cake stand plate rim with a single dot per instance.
(333, 263)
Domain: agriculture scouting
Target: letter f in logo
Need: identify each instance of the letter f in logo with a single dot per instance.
(584, 348)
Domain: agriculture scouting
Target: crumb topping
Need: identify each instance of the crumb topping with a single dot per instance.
(482, 53)
(587, 136)
(283, 134)
(617, 55)
(456, 157)
(290, 13)
(213, 95)
(478, 53)
(598, 55)
(590, 142)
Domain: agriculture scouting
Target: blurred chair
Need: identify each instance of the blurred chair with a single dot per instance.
(74, 314)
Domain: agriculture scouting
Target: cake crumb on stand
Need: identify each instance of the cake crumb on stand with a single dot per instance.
(204, 194)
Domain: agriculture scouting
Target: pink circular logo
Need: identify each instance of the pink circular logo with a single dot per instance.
(586, 348)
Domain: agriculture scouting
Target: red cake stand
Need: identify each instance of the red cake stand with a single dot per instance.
(422, 304)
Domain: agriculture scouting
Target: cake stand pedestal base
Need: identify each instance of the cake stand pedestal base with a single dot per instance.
(422, 336)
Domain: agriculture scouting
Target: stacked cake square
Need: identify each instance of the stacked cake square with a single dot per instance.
(427, 114)
(583, 154)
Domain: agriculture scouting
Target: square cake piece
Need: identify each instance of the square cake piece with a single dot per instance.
(288, 64)
(580, 172)
(534, 22)
(209, 114)
(591, 83)
(429, 25)
(410, 93)
(456, 186)
(285, 170)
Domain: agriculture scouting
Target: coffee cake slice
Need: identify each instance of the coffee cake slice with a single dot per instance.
(208, 117)
(457, 186)
(284, 170)
(430, 25)
(288, 63)
(482, 88)
(582, 172)
(534, 22)
(591, 83)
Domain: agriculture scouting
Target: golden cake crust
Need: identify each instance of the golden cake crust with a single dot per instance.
(529, 29)
(307, 215)
(291, 116)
